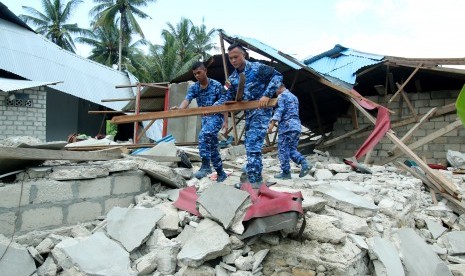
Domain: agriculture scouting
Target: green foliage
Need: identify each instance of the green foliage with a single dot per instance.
(52, 22)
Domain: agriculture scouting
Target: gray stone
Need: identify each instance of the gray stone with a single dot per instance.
(388, 258)
(344, 200)
(48, 268)
(185, 234)
(231, 257)
(435, 228)
(221, 271)
(222, 208)
(228, 267)
(350, 223)
(132, 226)
(16, 260)
(339, 168)
(166, 251)
(321, 229)
(244, 263)
(35, 254)
(184, 172)
(98, 255)
(417, 256)
(145, 264)
(208, 242)
(457, 269)
(323, 174)
(454, 242)
(120, 165)
(259, 257)
(359, 241)
(170, 221)
(341, 176)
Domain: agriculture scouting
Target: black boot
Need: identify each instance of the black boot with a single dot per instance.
(204, 169)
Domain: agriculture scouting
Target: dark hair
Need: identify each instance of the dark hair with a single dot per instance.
(197, 64)
(236, 45)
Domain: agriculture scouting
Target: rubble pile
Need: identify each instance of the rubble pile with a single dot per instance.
(384, 223)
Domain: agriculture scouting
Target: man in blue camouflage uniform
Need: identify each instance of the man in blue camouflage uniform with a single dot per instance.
(261, 82)
(207, 92)
(289, 128)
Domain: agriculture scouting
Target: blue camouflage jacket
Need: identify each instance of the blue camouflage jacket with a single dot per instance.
(287, 113)
(205, 97)
(261, 80)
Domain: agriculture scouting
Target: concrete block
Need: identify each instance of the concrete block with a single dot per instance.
(40, 218)
(7, 221)
(118, 202)
(83, 211)
(99, 187)
(128, 183)
(10, 195)
(52, 191)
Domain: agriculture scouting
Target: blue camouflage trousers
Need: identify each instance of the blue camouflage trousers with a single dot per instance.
(208, 139)
(287, 149)
(256, 125)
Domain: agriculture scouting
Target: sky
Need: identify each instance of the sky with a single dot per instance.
(303, 28)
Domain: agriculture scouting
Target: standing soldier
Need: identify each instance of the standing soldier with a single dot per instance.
(207, 92)
(255, 81)
(289, 128)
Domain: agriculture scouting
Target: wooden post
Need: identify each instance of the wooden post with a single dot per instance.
(406, 81)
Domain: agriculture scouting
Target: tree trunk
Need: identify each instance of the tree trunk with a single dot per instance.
(120, 48)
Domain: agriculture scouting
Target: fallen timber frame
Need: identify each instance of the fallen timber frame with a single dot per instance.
(231, 107)
(437, 179)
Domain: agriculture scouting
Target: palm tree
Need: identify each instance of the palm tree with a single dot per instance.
(166, 63)
(105, 49)
(109, 11)
(182, 34)
(202, 40)
(52, 23)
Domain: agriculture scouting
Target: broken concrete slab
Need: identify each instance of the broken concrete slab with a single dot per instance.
(208, 242)
(385, 257)
(321, 229)
(98, 255)
(132, 226)
(323, 174)
(166, 251)
(162, 173)
(347, 201)
(350, 223)
(359, 241)
(49, 267)
(169, 223)
(418, 258)
(454, 242)
(16, 259)
(435, 228)
(119, 165)
(222, 208)
(78, 172)
(259, 257)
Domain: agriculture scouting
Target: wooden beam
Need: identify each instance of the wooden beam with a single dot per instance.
(46, 154)
(155, 85)
(405, 82)
(409, 133)
(342, 137)
(409, 104)
(420, 142)
(235, 106)
(130, 99)
(437, 178)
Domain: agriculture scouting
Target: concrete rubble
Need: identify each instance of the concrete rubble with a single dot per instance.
(384, 223)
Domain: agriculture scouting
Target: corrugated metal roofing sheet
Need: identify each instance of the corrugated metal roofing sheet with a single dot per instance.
(33, 57)
(342, 63)
(7, 85)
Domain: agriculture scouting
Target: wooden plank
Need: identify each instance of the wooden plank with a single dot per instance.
(235, 106)
(342, 137)
(409, 104)
(405, 82)
(409, 133)
(45, 154)
(436, 178)
(420, 142)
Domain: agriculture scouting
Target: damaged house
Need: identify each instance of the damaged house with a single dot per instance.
(47, 92)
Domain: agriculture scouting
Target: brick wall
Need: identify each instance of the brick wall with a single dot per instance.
(25, 118)
(47, 203)
(434, 151)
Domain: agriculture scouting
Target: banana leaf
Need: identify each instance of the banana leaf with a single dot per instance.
(460, 104)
